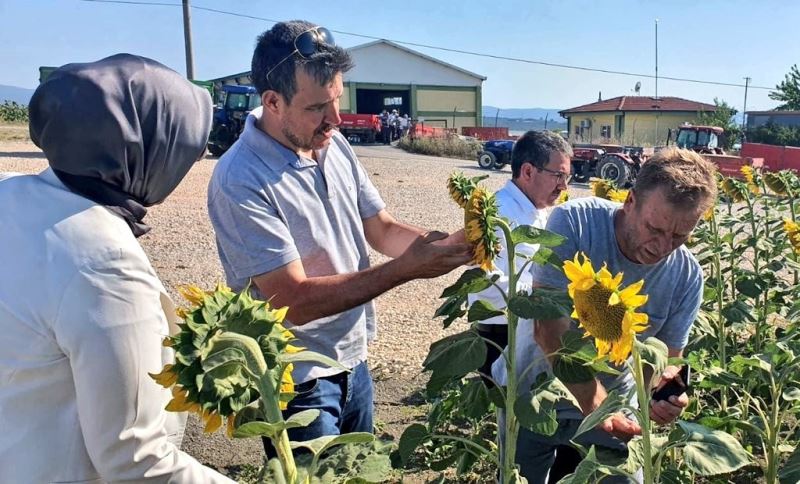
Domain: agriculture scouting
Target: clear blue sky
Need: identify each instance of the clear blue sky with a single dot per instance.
(720, 40)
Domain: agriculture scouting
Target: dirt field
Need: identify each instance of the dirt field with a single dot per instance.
(182, 250)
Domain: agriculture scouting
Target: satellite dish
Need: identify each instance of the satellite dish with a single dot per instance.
(638, 87)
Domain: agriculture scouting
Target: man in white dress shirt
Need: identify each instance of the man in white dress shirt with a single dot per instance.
(540, 169)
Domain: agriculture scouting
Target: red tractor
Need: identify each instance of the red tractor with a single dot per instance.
(616, 163)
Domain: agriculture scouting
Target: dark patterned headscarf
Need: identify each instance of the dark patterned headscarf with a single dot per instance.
(122, 131)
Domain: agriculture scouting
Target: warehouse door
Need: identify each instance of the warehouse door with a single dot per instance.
(374, 101)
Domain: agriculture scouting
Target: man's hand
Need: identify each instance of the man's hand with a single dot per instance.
(662, 411)
(455, 238)
(620, 426)
(425, 258)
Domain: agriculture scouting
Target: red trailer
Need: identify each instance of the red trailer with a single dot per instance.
(360, 128)
(776, 158)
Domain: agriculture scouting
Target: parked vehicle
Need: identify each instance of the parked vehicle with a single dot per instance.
(776, 158)
(229, 118)
(620, 164)
(360, 128)
(496, 154)
(616, 163)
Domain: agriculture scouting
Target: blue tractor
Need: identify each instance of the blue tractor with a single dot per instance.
(496, 154)
(229, 117)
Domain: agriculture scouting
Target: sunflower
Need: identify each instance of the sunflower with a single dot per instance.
(776, 182)
(479, 213)
(750, 178)
(605, 311)
(212, 389)
(600, 187)
(734, 189)
(792, 230)
(461, 187)
(617, 195)
(562, 197)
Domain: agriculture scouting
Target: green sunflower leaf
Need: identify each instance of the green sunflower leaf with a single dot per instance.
(711, 452)
(482, 310)
(790, 472)
(470, 282)
(536, 409)
(542, 304)
(613, 403)
(413, 436)
(321, 444)
(456, 355)
(531, 235)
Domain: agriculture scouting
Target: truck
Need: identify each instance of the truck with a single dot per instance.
(360, 128)
(235, 104)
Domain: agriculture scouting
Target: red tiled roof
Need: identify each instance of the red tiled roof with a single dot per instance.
(641, 103)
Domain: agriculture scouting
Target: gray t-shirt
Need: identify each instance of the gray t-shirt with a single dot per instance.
(674, 286)
(270, 206)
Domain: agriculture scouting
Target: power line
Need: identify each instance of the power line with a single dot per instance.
(457, 51)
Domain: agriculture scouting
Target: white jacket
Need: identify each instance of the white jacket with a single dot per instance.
(515, 206)
(82, 317)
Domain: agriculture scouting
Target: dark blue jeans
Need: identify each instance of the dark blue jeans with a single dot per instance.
(344, 401)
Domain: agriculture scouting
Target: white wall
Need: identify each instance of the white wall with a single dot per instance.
(383, 63)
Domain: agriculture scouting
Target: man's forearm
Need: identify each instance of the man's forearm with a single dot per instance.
(318, 297)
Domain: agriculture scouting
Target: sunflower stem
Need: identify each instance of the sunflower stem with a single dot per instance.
(643, 395)
(721, 329)
(270, 405)
(512, 425)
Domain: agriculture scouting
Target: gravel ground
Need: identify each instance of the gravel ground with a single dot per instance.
(181, 248)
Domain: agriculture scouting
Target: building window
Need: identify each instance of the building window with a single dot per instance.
(605, 131)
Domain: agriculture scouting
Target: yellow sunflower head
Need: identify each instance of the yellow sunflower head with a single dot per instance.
(479, 213)
(212, 378)
(750, 178)
(600, 187)
(461, 187)
(792, 230)
(734, 189)
(617, 195)
(603, 309)
(776, 182)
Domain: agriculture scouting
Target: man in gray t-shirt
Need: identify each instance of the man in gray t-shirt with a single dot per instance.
(294, 213)
(642, 238)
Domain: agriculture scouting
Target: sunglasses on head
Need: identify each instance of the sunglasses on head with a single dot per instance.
(307, 44)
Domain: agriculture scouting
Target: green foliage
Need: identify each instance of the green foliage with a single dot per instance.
(773, 134)
(723, 117)
(11, 112)
(788, 91)
(450, 147)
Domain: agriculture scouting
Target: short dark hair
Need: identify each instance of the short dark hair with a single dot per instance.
(275, 44)
(535, 147)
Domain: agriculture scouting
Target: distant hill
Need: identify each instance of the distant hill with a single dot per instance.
(19, 95)
(524, 124)
(523, 113)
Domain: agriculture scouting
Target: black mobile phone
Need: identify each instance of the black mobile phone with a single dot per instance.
(676, 386)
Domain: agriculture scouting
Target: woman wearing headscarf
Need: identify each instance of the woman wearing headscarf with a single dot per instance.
(82, 312)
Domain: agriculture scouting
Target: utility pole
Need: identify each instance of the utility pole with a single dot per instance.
(744, 109)
(187, 40)
(656, 59)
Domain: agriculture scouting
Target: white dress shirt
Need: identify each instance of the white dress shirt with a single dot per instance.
(519, 210)
(82, 317)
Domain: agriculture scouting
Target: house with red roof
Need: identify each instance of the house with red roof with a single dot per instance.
(631, 120)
